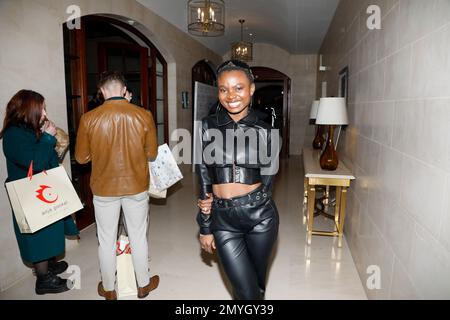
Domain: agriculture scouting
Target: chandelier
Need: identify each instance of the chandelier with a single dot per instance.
(242, 50)
(206, 18)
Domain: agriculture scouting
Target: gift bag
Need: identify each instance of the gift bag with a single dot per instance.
(164, 172)
(126, 279)
(153, 192)
(42, 199)
(62, 143)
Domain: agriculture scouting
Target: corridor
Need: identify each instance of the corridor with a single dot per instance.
(385, 63)
(297, 272)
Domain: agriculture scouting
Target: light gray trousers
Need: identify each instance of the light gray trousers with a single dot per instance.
(107, 213)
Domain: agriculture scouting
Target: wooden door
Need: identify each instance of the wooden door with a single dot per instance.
(132, 61)
(77, 101)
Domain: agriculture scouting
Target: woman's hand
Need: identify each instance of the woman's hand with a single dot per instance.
(207, 242)
(205, 205)
(49, 127)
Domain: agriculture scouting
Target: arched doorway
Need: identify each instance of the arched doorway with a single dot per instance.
(272, 101)
(105, 43)
(202, 72)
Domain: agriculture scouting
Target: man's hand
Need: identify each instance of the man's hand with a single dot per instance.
(207, 242)
(205, 205)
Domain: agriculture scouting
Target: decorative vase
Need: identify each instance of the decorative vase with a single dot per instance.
(329, 159)
(319, 140)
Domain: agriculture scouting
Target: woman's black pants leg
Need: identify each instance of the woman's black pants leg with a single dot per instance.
(244, 237)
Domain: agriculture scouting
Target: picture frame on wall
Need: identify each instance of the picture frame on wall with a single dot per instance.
(342, 93)
(343, 83)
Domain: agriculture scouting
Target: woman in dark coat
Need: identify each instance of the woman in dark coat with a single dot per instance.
(29, 136)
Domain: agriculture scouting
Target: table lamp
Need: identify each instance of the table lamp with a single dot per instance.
(318, 139)
(332, 112)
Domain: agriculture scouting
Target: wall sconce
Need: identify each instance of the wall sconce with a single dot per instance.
(184, 100)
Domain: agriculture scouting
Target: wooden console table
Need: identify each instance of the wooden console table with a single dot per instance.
(315, 176)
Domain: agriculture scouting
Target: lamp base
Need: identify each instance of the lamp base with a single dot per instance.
(329, 160)
(318, 140)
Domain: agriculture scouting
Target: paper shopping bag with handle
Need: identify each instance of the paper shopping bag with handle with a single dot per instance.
(164, 172)
(154, 193)
(42, 199)
(126, 280)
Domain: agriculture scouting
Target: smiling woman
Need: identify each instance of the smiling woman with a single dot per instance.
(238, 215)
(236, 89)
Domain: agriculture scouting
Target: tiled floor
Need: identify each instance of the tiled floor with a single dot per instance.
(298, 271)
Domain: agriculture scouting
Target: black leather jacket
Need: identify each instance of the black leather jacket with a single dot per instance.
(235, 152)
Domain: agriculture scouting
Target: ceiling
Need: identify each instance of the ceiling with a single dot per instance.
(297, 26)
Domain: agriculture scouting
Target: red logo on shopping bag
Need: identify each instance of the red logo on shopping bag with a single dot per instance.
(46, 194)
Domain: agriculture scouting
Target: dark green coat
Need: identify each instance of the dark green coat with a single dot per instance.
(20, 147)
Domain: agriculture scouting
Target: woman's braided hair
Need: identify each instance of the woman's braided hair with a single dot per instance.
(231, 65)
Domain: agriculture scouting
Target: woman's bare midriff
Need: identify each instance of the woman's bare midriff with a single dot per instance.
(231, 190)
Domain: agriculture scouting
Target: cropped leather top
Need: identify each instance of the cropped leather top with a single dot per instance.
(237, 152)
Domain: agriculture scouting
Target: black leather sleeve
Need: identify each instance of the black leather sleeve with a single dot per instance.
(267, 180)
(204, 180)
(202, 170)
(203, 220)
(273, 150)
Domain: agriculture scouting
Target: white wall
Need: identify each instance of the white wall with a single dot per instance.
(398, 214)
(32, 58)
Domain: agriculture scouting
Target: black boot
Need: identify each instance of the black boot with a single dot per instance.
(50, 283)
(57, 267)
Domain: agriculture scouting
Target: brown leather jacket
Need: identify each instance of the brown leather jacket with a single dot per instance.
(119, 138)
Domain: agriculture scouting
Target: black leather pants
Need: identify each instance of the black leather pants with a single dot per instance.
(244, 235)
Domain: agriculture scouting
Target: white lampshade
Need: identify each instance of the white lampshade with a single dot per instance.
(314, 109)
(332, 111)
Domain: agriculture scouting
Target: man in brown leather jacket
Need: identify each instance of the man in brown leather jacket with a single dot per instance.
(119, 138)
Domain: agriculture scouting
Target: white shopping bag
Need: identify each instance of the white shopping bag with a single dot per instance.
(164, 172)
(126, 279)
(42, 199)
(153, 192)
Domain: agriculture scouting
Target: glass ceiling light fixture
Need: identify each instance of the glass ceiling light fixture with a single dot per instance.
(206, 18)
(242, 50)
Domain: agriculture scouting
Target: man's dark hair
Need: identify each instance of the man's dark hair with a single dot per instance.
(110, 76)
(231, 65)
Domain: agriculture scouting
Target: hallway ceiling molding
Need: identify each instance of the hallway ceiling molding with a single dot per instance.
(297, 26)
